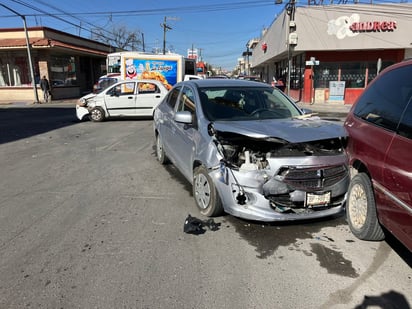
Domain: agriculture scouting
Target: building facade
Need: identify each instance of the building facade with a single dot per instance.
(333, 51)
(72, 64)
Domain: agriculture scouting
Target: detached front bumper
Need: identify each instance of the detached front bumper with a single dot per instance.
(81, 112)
(259, 206)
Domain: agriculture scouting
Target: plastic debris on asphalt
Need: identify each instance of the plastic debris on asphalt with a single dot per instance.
(197, 226)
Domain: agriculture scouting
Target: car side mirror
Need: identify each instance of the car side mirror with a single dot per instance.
(184, 117)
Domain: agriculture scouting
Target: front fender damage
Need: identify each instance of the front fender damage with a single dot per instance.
(270, 179)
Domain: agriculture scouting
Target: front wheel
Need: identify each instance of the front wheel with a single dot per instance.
(205, 194)
(361, 209)
(160, 152)
(97, 114)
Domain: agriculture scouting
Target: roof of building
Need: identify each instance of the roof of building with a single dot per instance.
(45, 43)
(43, 37)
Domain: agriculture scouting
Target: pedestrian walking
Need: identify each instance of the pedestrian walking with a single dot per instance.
(45, 86)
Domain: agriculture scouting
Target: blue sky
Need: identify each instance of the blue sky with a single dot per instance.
(220, 29)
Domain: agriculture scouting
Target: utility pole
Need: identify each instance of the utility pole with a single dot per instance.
(36, 97)
(246, 54)
(247, 59)
(292, 39)
(143, 42)
(166, 27)
(200, 54)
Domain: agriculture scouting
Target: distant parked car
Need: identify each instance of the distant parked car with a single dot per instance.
(190, 77)
(249, 151)
(126, 98)
(57, 82)
(250, 77)
(379, 149)
(106, 81)
(217, 77)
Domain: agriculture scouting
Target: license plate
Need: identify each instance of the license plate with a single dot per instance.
(314, 199)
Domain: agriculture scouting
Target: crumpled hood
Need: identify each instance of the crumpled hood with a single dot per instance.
(87, 97)
(290, 130)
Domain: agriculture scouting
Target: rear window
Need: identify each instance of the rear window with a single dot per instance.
(384, 102)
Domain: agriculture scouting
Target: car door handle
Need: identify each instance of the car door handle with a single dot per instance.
(130, 98)
(158, 96)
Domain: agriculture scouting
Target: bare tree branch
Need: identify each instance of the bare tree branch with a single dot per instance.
(120, 37)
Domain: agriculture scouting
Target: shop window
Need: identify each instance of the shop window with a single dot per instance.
(297, 71)
(14, 70)
(354, 74)
(63, 71)
(325, 73)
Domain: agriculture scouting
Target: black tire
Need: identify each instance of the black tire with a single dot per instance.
(361, 209)
(97, 114)
(160, 152)
(204, 192)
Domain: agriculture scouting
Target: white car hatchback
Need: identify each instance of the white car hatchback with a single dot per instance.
(127, 98)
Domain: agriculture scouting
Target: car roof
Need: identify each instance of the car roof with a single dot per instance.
(223, 83)
(139, 81)
(158, 83)
(403, 63)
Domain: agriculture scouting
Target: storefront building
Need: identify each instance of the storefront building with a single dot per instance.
(72, 64)
(333, 51)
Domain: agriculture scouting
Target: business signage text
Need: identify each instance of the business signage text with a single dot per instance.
(373, 26)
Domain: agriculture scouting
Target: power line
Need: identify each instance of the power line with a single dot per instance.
(56, 16)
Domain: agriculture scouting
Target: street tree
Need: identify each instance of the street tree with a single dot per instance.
(120, 37)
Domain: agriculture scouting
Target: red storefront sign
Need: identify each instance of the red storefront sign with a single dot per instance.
(373, 26)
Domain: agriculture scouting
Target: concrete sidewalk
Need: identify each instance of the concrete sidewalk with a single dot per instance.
(30, 103)
(321, 108)
(328, 108)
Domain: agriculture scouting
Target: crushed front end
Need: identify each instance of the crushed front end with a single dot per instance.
(83, 106)
(271, 179)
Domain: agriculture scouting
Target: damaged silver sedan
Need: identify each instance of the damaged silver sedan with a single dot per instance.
(249, 151)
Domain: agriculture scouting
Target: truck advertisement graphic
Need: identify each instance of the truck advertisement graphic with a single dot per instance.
(165, 71)
(168, 69)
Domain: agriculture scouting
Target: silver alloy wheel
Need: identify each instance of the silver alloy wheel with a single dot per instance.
(97, 114)
(202, 191)
(159, 149)
(358, 206)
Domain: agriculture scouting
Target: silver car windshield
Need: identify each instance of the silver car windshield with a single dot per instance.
(239, 103)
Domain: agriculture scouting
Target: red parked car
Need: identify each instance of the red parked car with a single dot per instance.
(379, 149)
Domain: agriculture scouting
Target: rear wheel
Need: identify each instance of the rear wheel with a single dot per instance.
(361, 209)
(97, 114)
(205, 194)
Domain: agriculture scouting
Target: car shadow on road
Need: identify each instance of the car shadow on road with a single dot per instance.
(18, 122)
(392, 299)
(399, 248)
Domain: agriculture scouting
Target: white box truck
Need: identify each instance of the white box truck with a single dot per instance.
(168, 68)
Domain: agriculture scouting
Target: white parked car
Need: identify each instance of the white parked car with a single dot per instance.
(126, 98)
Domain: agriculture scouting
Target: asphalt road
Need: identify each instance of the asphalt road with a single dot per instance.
(90, 219)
